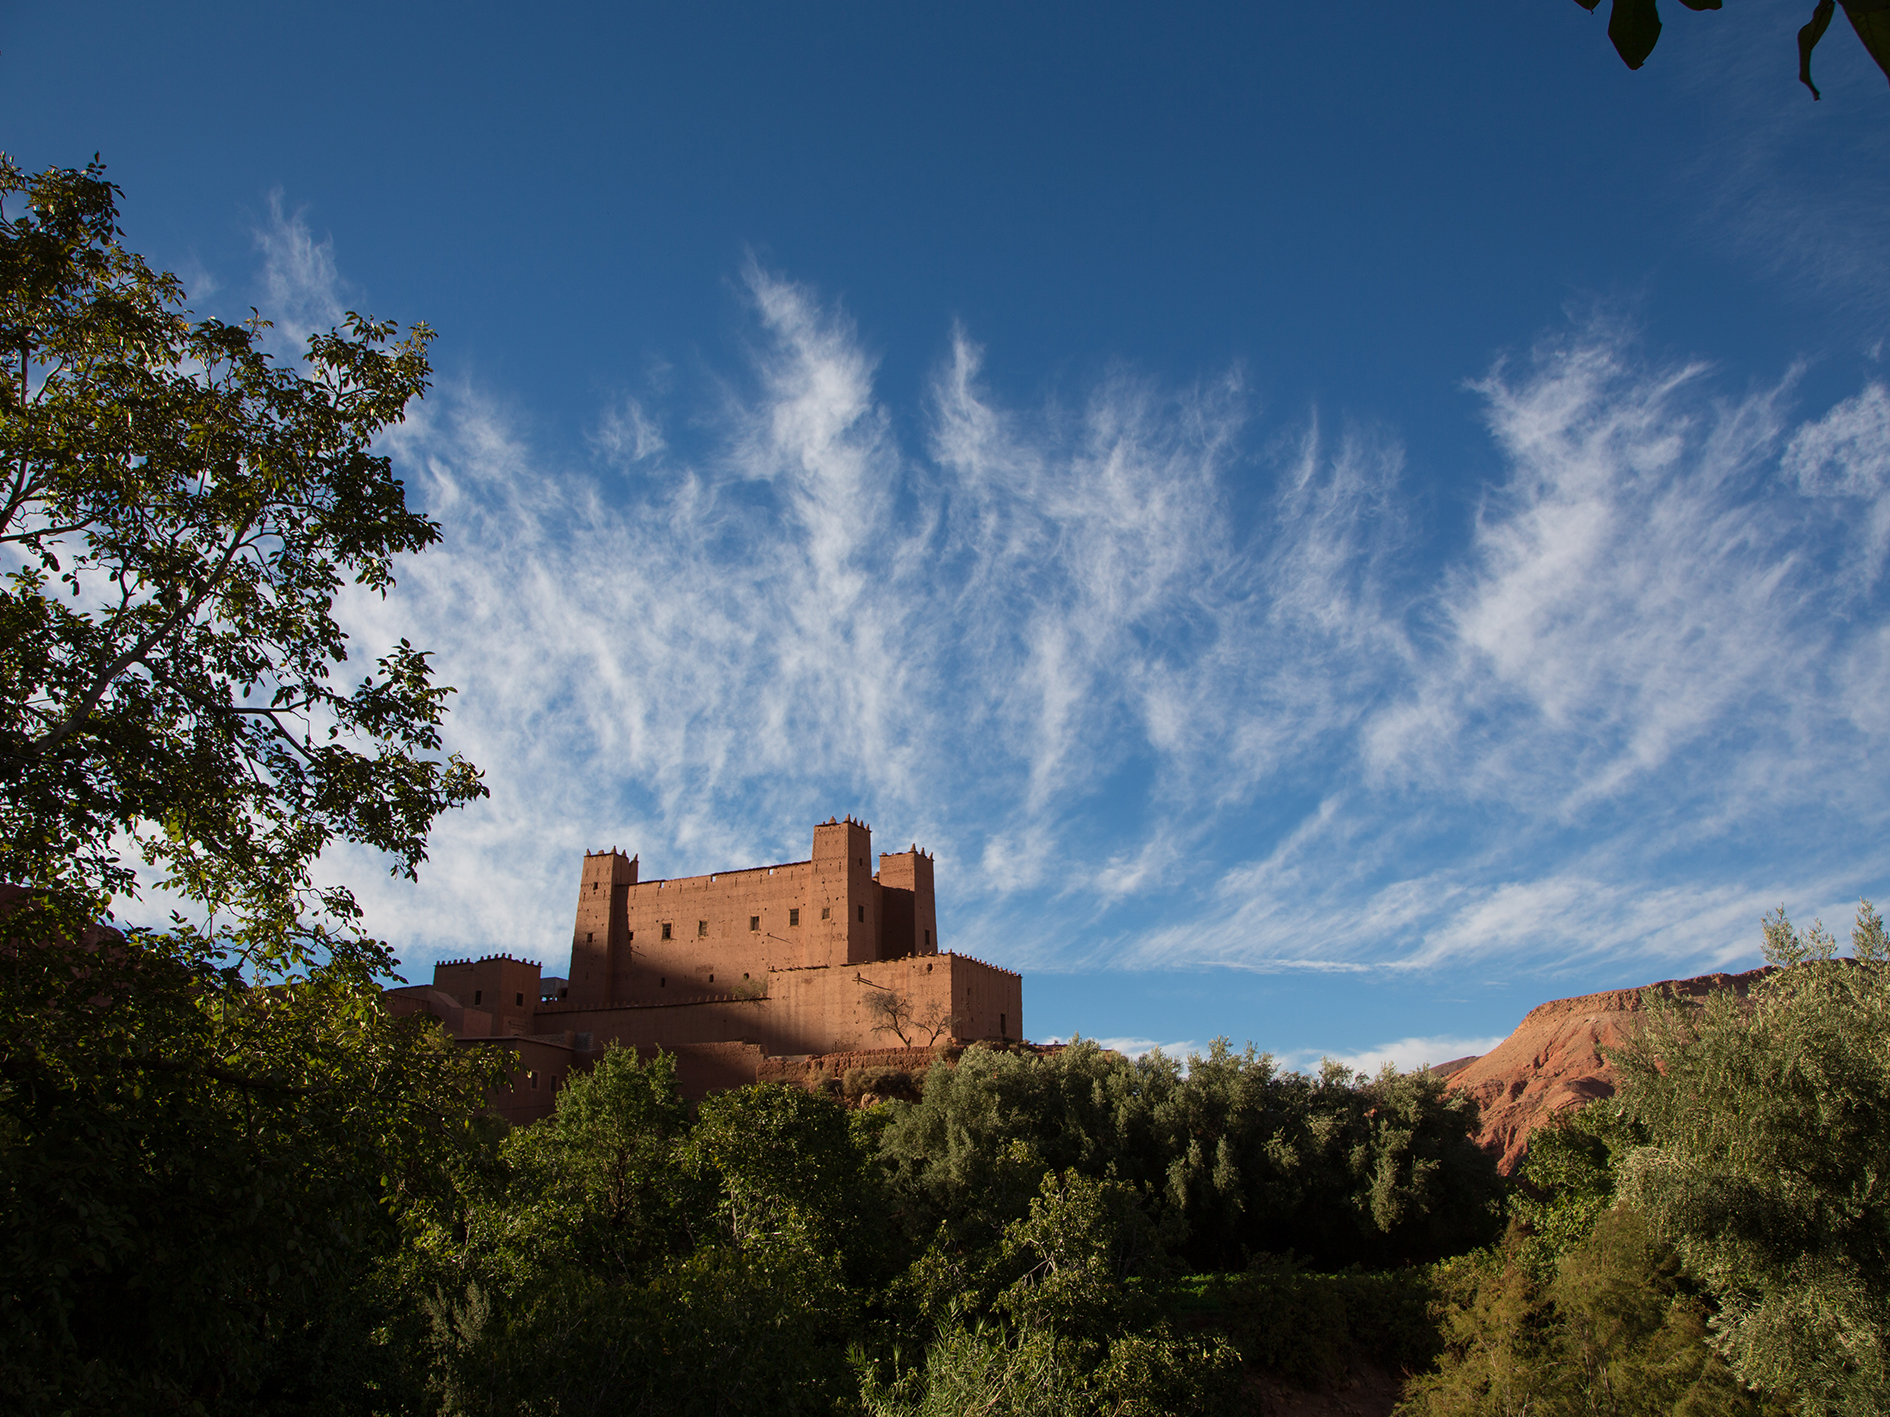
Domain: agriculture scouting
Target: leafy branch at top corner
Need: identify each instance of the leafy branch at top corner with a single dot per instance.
(179, 512)
(1634, 28)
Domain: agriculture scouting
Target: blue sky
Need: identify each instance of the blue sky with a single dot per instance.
(1334, 526)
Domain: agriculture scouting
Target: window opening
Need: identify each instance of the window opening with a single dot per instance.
(754, 922)
(928, 937)
(826, 912)
(662, 983)
(476, 994)
(862, 915)
(534, 1080)
(589, 936)
(794, 916)
(712, 979)
(633, 934)
(702, 928)
(1002, 1031)
(666, 930)
(521, 1002)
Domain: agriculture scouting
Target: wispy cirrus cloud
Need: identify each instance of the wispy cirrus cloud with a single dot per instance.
(1613, 718)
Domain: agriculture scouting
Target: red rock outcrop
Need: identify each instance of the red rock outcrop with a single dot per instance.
(1553, 1061)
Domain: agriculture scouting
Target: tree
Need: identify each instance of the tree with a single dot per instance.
(181, 512)
(211, 1137)
(896, 1015)
(1768, 1163)
(1634, 27)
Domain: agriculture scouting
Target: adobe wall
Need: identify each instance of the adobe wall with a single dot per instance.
(703, 1068)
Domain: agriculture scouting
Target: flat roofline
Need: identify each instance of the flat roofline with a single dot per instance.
(717, 875)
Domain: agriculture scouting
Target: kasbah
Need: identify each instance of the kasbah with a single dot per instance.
(795, 973)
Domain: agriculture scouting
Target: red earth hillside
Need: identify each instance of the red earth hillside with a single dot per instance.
(1553, 1060)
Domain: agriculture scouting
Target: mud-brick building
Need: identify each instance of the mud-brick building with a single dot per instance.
(835, 954)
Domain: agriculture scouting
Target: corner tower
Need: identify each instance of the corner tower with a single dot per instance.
(600, 944)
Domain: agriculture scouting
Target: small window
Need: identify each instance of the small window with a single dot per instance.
(476, 995)
(521, 1001)
(534, 1080)
(589, 936)
(1002, 1031)
(794, 916)
(633, 934)
(928, 937)
(564, 993)
(666, 930)
(593, 887)
(826, 912)
(712, 979)
(754, 922)
(744, 974)
(862, 915)
(702, 928)
(663, 983)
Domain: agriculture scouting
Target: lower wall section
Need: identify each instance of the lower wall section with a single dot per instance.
(702, 1068)
(921, 1001)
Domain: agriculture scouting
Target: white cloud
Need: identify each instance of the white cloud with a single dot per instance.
(1405, 1055)
(627, 434)
(302, 289)
(1138, 729)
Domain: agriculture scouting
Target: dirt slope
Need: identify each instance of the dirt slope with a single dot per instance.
(1553, 1060)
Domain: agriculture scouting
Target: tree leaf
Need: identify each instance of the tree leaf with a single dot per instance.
(1634, 26)
(1871, 20)
(1808, 38)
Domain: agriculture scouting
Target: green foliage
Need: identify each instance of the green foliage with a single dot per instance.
(1233, 1158)
(1033, 1373)
(1313, 1328)
(1068, 1332)
(1613, 1329)
(622, 1259)
(181, 512)
(1568, 1179)
(1767, 1162)
(200, 1175)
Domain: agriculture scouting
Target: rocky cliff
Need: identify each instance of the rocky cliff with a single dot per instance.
(1553, 1061)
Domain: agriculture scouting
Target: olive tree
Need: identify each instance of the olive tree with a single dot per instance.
(1768, 1163)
